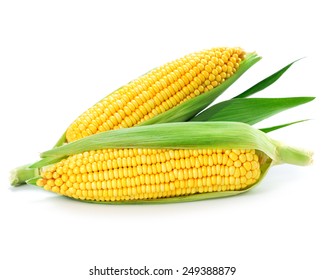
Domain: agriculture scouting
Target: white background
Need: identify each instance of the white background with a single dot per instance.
(59, 57)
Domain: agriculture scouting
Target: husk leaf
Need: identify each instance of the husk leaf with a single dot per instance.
(249, 110)
(189, 135)
(265, 82)
(276, 127)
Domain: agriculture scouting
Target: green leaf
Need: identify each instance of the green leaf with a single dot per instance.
(272, 128)
(46, 161)
(249, 110)
(266, 82)
(180, 135)
(61, 141)
(33, 180)
(190, 108)
(184, 135)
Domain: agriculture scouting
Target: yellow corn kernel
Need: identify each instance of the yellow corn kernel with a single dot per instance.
(172, 173)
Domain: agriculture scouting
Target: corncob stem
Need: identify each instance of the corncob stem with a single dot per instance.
(21, 174)
(292, 155)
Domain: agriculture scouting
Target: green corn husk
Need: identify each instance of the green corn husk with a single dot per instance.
(183, 135)
(249, 110)
(196, 135)
(276, 127)
(265, 82)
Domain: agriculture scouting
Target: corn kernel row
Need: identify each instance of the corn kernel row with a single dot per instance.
(129, 174)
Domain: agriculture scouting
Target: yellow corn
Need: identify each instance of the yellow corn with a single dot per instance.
(136, 174)
(158, 91)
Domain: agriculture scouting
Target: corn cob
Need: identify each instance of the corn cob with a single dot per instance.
(132, 174)
(164, 163)
(158, 91)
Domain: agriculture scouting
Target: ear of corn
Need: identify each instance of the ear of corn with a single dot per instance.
(186, 162)
(163, 89)
(135, 174)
